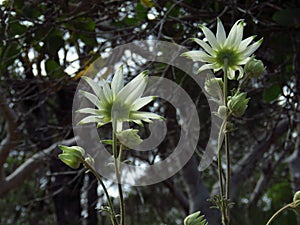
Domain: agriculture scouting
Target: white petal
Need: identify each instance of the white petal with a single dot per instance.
(245, 43)
(144, 116)
(199, 56)
(91, 97)
(137, 92)
(138, 122)
(95, 86)
(134, 89)
(239, 33)
(141, 102)
(241, 72)
(107, 93)
(244, 61)
(216, 69)
(252, 48)
(210, 37)
(206, 67)
(89, 111)
(231, 74)
(90, 119)
(117, 82)
(221, 34)
(235, 34)
(205, 46)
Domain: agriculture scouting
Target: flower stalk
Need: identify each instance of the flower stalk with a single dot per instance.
(113, 216)
(226, 142)
(233, 55)
(117, 161)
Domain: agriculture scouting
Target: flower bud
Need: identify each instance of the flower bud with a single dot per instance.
(254, 68)
(90, 160)
(222, 111)
(195, 219)
(237, 104)
(296, 196)
(296, 203)
(214, 86)
(229, 126)
(71, 156)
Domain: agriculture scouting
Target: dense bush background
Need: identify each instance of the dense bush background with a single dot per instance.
(47, 45)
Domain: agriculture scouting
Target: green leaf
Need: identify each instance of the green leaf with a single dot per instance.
(131, 21)
(107, 142)
(54, 42)
(53, 68)
(175, 11)
(16, 28)
(84, 23)
(271, 93)
(141, 11)
(129, 138)
(9, 54)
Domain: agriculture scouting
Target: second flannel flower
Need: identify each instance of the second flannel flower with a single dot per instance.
(224, 52)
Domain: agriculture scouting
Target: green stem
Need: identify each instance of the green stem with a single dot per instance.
(277, 213)
(98, 177)
(226, 139)
(220, 171)
(117, 161)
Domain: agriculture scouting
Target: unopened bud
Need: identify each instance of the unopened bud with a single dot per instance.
(71, 156)
(254, 68)
(195, 219)
(222, 111)
(296, 196)
(238, 104)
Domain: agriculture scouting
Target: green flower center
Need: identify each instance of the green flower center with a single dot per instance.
(230, 54)
(119, 111)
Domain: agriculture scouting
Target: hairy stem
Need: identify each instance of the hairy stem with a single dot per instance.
(97, 175)
(226, 139)
(117, 161)
(277, 213)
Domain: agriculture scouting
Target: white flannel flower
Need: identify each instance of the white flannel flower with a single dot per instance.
(117, 103)
(236, 51)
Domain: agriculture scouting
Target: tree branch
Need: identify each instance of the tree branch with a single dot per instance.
(198, 193)
(12, 136)
(28, 167)
(247, 164)
(178, 194)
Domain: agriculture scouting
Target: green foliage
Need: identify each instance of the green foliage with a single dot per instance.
(271, 93)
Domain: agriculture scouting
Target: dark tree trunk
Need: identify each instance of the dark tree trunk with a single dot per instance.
(66, 190)
(198, 193)
(92, 200)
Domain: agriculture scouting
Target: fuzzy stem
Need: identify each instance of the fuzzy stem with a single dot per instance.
(98, 177)
(117, 160)
(277, 213)
(226, 139)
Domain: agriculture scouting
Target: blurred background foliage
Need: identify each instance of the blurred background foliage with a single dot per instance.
(46, 46)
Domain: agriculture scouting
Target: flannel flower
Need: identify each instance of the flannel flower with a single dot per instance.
(117, 103)
(219, 49)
